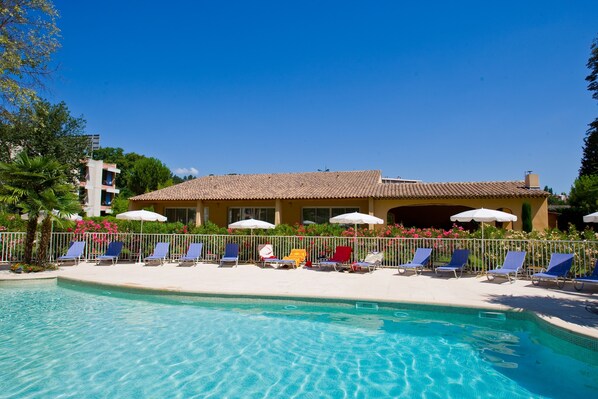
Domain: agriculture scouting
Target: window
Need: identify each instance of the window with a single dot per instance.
(183, 215)
(107, 178)
(322, 215)
(106, 198)
(265, 214)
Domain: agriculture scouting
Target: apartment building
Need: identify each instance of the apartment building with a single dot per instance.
(98, 187)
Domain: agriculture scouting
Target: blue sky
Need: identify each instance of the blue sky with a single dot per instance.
(436, 91)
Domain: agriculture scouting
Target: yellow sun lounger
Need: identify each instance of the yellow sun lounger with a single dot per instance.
(297, 255)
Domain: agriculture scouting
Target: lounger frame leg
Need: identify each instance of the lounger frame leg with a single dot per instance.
(578, 285)
(560, 282)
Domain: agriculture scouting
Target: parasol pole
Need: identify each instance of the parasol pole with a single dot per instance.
(482, 245)
(140, 240)
(355, 244)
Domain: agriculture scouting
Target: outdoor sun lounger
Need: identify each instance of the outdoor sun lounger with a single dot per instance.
(193, 254)
(341, 256)
(266, 253)
(512, 265)
(160, 253)
(371, 262)
(74, 253)
(231, 254)
(421, 258)
(112, 253)
(591, 279)
(295, 258)
(457, 263)
(557, 270)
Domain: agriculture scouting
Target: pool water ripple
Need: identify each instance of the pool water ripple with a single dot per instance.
(82, 343)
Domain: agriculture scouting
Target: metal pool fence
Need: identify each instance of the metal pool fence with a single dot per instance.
(484, 254)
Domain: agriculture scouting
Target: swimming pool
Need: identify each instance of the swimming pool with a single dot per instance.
(73, 341)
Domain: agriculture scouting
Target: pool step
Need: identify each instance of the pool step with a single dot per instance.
(366, 305)
(492, 316)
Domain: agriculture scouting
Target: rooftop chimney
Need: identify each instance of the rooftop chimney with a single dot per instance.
(532, 181)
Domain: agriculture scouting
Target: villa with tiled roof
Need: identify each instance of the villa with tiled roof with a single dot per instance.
(314, 197)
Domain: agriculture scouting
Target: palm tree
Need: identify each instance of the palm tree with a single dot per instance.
(36, 186)
(59, 202)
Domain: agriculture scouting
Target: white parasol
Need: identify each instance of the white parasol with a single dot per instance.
(356, 218)
(591, 218)
(251, 224)
(143, 216)
(483, 215)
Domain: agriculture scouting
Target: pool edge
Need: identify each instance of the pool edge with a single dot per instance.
(558, 328)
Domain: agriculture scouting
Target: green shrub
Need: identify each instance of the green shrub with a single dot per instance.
(26, 268)
(15, 224)
(526, 217)
(12, 222)
(208, 228)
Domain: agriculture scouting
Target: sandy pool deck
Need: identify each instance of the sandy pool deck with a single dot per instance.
(564, 308)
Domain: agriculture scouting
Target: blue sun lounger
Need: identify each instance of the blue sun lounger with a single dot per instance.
(557, 270)
(512, 265)
(231, 254)
(74, 253)
(112, 253)
(457, 263)
(421, 258)
(591, 279)
(193, 254)
(160, 253)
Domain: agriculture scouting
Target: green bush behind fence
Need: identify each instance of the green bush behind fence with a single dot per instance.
(484, 254)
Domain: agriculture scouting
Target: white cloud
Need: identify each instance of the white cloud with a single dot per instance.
(186, 171)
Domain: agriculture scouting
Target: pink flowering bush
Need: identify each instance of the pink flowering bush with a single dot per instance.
(96, 230)
(12, 222)
(90, 226)
(400, 231)
(111, 225)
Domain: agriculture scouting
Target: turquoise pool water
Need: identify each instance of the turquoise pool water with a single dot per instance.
(63, 341)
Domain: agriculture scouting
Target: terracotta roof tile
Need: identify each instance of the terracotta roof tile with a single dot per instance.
(331, 185)
(496, 189)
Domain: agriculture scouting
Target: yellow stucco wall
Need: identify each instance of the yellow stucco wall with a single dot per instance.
(291, 209)
(539, 207)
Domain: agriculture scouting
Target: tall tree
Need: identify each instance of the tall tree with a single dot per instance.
(149, 174)
(589, 161)
(124, 161)
(45, 129)
(58, 201)
(526, 217)
(177, 179)
(36, 186)
(138, 173)
(28, 38)
(584, 193)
